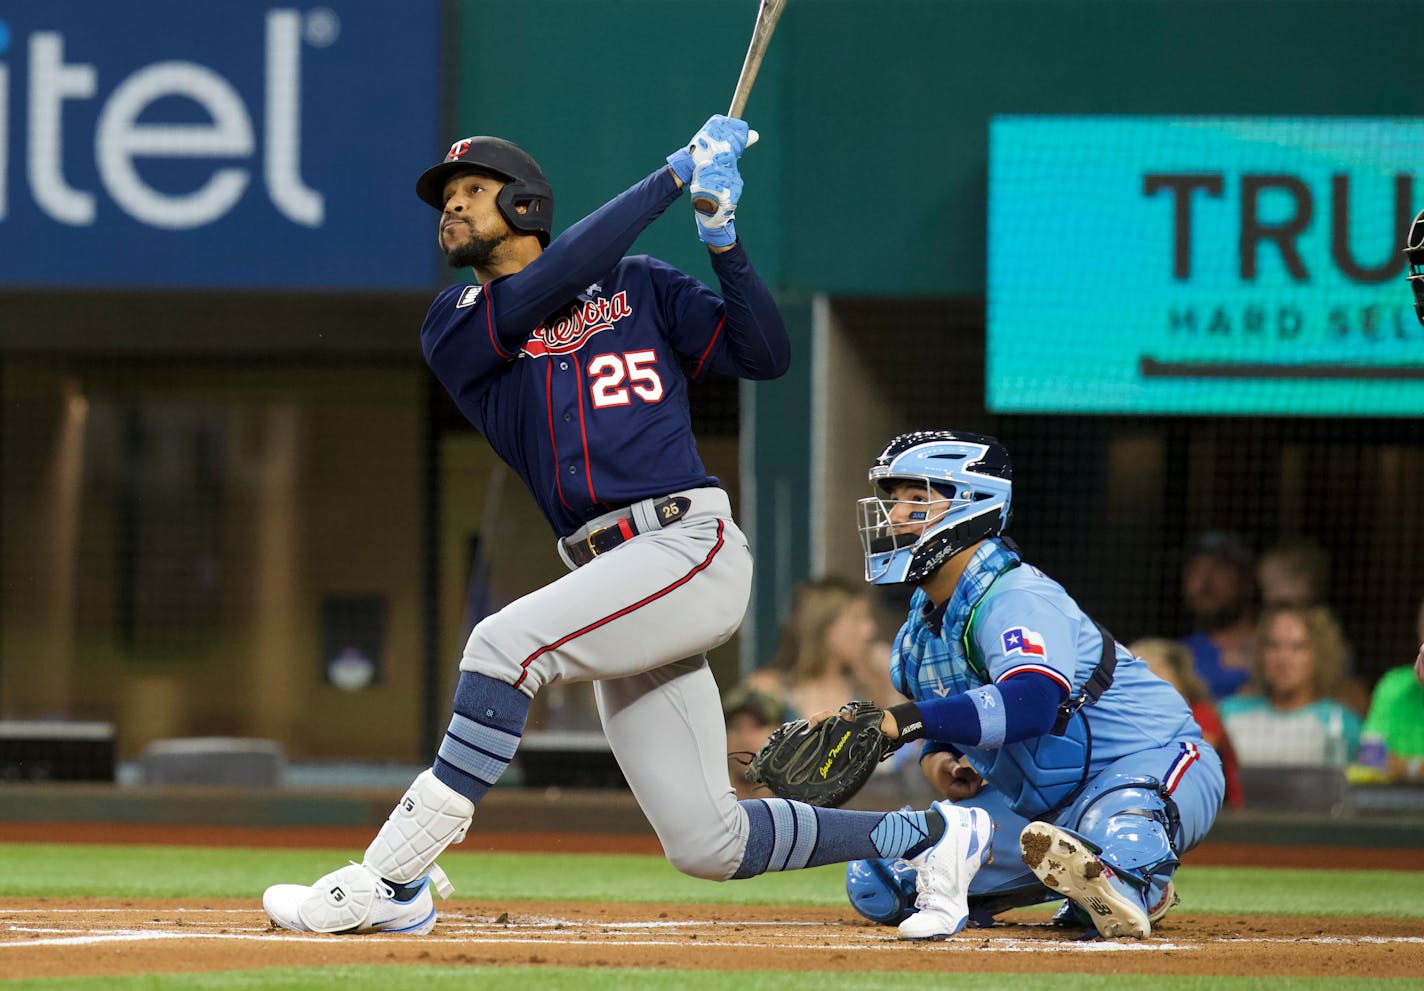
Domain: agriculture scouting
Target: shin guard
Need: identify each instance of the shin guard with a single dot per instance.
(428, 818)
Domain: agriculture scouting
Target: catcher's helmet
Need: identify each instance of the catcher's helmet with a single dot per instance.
(968, 476)
(524, 182)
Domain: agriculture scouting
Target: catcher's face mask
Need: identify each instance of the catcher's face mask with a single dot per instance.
(935, 493)
(1414, 251)
(895, 519)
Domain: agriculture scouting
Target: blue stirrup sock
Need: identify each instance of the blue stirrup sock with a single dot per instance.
(483, 735)
(787, 836)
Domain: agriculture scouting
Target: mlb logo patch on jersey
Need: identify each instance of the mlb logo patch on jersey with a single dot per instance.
(1022, 640)
(468, 297)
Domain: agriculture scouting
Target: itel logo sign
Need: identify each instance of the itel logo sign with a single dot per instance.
(56, 80)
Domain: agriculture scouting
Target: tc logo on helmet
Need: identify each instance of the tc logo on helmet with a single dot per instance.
(459, 149)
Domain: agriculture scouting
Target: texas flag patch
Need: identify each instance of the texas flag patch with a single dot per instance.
(1022, 640)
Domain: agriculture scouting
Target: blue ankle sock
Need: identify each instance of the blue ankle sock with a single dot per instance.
(785, 836)
(483, 734)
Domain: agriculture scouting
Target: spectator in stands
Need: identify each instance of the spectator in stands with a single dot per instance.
(1172, 662)
(1289, 717)
(1396, 715)
(1296, 572)
(750, 715)
(830, 651)
(1219, 591)
(1293, 573)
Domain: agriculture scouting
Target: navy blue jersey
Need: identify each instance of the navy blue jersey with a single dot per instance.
(575, 368)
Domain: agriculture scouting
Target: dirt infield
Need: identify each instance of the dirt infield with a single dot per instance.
(52, 938)
(42, 939)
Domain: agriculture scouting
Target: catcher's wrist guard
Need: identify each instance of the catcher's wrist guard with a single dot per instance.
(910, 722)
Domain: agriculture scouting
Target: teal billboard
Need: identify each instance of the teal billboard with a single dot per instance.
(1244, 265)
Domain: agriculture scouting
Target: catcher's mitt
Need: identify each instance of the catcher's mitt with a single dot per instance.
(825, 765)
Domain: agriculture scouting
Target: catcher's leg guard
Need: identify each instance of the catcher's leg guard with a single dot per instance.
(428, 818)
(1132, 827)
(882, 890)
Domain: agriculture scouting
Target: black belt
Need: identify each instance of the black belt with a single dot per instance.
(605, 538)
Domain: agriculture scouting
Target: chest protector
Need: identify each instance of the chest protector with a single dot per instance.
(1039, 776)
(1043, 775)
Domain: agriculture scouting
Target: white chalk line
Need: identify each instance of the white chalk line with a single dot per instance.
(480, 939)
(493, 933)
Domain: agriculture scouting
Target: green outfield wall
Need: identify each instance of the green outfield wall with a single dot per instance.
(871, 177)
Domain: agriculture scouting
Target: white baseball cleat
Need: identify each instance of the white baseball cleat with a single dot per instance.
(1066, 863)
(354, 899)
(943, 873)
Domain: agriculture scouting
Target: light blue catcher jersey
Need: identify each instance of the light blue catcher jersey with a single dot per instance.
(1026, 623)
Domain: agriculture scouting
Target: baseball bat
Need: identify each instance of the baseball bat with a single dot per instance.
(767, 15)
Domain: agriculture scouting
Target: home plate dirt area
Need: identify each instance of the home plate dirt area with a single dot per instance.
(47, 938)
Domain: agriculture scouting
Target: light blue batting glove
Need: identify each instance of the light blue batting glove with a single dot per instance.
(719, 134)
(720, 181)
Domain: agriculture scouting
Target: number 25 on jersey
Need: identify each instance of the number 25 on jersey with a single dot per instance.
(615, 374)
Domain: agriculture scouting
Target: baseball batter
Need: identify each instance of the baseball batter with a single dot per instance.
(573, 361)
(1091, 766)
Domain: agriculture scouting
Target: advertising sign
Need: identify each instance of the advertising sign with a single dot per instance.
(169, 143)
(1203, 265)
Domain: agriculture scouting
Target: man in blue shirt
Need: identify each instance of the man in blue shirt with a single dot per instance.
(1092, 768)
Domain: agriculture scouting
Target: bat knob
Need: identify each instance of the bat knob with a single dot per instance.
(704, 204)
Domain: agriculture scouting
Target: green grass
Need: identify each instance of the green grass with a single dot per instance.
(62, 871)
(411, 978)
(68, 871)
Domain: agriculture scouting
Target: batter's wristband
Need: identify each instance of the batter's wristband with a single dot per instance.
(911, 723)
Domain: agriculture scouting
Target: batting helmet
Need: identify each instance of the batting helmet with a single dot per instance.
(970, 474)
(881, 890)
(524, 182)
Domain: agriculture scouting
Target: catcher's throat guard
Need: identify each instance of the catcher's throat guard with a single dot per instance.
(1414, 251)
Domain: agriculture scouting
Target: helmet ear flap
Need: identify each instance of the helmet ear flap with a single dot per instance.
(538, 207)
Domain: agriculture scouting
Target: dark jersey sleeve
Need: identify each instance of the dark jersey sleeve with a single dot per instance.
(739, 333)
